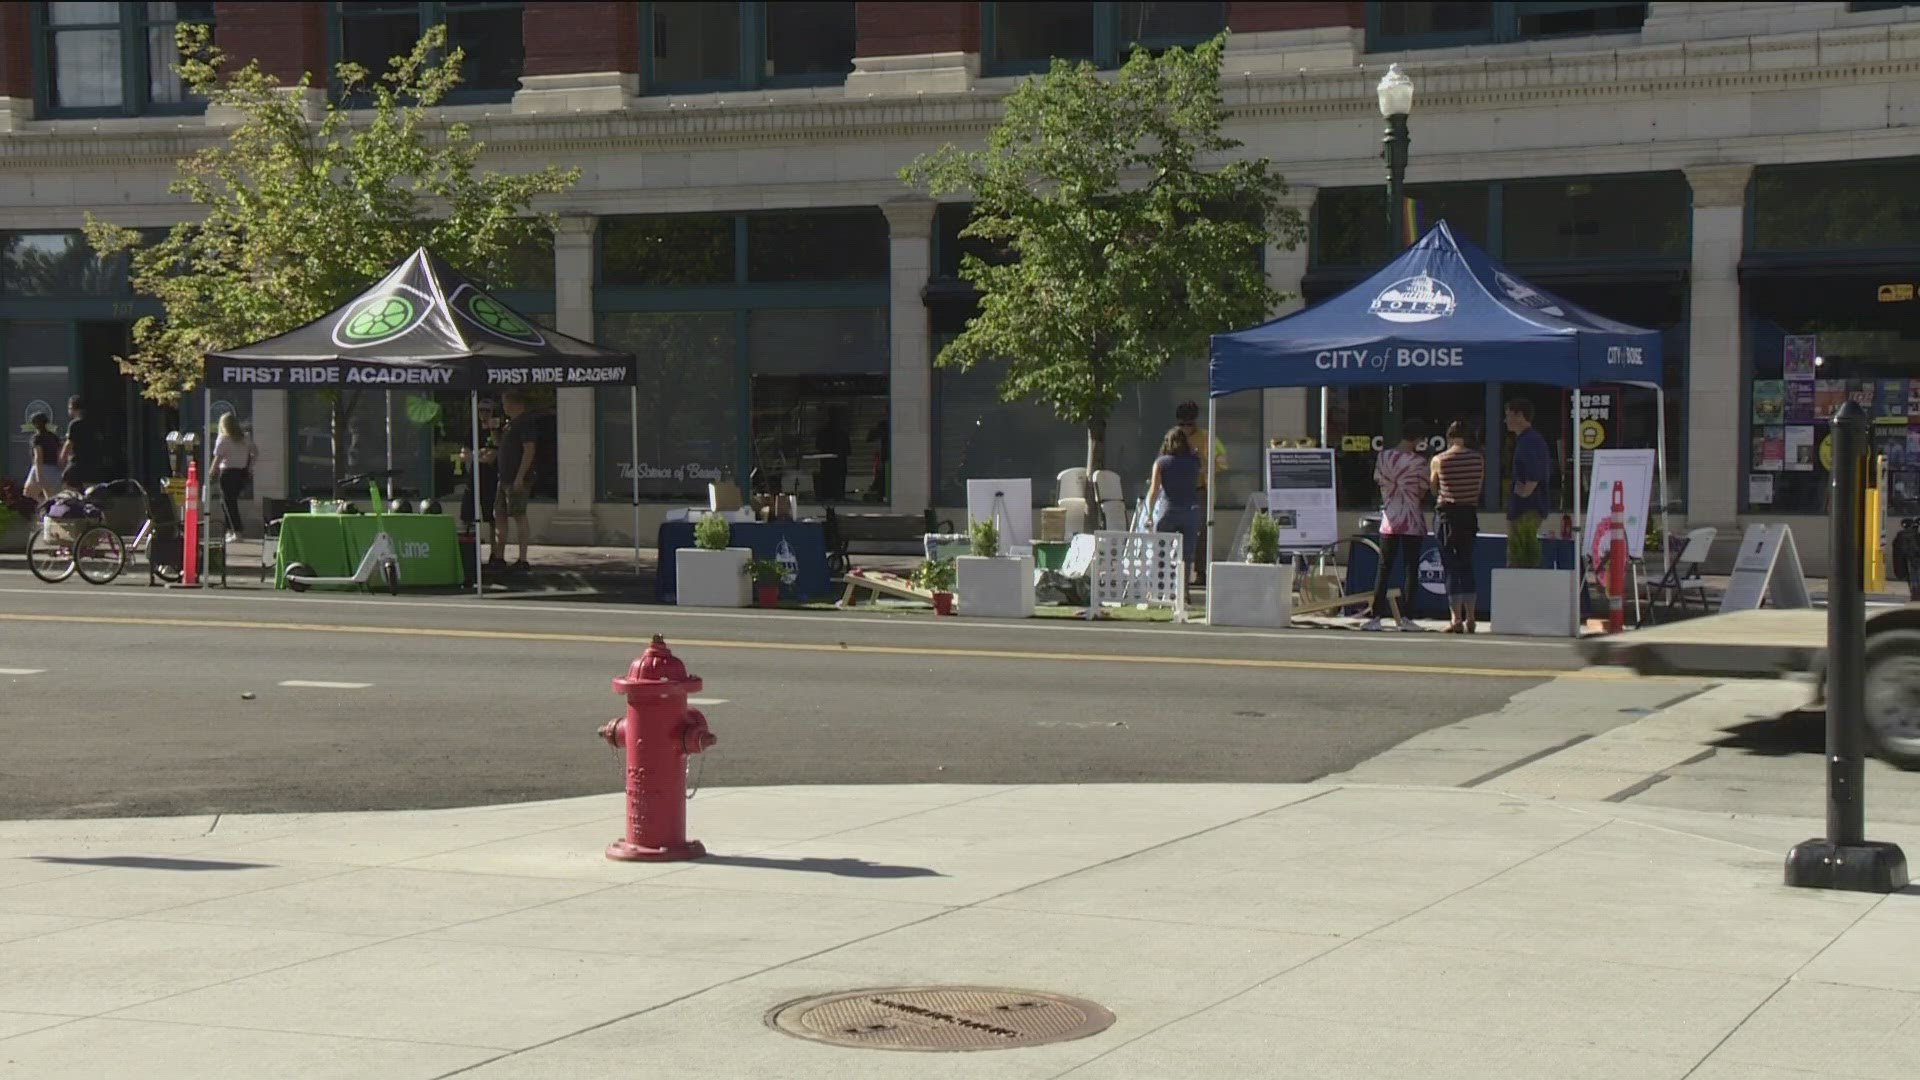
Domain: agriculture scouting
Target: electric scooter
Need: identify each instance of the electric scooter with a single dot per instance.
(381, 556)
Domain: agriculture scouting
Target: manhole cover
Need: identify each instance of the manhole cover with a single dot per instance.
(940, 1018)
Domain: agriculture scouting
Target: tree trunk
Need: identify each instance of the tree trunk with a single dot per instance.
(1097, 460)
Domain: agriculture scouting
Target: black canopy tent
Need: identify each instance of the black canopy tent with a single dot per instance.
(426, 326)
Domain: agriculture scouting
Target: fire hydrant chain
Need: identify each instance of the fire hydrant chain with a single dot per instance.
(659, 732)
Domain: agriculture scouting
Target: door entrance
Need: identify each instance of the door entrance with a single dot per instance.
(132, 430)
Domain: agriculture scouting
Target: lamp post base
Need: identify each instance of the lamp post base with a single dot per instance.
(1869, 866)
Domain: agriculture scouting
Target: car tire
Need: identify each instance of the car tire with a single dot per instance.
(1892, 699)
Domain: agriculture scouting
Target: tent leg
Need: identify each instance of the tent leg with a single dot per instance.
(1660, 434)
(633, 414)
(473, 484)
(1206, 531)
(1579, 516)
(1324, 437)
(388, 394)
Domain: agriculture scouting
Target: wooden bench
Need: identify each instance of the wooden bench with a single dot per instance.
(845, 530)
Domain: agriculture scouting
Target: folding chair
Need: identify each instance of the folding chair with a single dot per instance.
(1683, 577)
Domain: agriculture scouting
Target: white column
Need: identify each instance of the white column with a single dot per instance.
(1290, 412)
(910, 251)
(272, 470)
(573, 315)
(1714, 344)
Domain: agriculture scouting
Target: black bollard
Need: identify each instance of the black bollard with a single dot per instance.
(1844, 858)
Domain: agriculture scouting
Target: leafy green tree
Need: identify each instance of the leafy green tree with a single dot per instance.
(1131, 229)
(301, 212)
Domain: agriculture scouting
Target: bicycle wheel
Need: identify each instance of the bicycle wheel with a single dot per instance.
(390, 574)
(167, 569)
(50, 560)
(100, 555)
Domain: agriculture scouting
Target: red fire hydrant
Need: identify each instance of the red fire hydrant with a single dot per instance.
(658, 733)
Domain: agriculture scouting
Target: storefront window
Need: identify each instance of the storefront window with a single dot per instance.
(1394, 26)
(978, 436)
(488, 33)
(1836, 207)
(667, 249)
(58, 264)
(1600, 217)
(689, 405)
(1350, 224)
(809, 40)
(35, 356)
(817, 245)
(380, 435)
(820, 404)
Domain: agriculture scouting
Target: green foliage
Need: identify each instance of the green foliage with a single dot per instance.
(422, 410)
(301, 212)
(934, 575)
(984, 538)
(1134, 235)
(1523, 543)
(711, 533)
(765, 571)
(1263, 540)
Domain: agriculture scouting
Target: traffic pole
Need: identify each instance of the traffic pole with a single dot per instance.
(1844, 859)
(1617, 563)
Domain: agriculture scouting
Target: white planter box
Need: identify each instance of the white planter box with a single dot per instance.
(1249, 594)
(1534, 603)
(712, 578)
(996, 588)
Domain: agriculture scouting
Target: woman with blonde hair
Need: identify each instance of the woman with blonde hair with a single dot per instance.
(233, 455)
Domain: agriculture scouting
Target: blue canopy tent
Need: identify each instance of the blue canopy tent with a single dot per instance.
(1442, 312)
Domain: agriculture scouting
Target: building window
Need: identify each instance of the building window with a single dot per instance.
(1835, 207)
(1882, 5)
(1395, 26)
(58, 265)
(730, 46)
(115, 59)
(1350, 224)
(689, 405)
(667, 249)
(1605, 217)
(488, 34)
(1023, 37)
(815, 245)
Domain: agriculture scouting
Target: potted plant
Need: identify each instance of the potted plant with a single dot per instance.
(767, 576)
(1258, 592)
(992, 585)
(711, 574)
(936, 576)
(1527, 600)
(16, 515)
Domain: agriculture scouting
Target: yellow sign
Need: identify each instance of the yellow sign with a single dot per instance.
(1826, 453)
(1592, 434)
(1356, 443)
(1896, 293)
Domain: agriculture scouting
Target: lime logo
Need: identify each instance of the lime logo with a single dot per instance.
(379, 317)
(494, 317)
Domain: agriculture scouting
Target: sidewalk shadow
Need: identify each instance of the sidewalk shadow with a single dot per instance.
(1802, 731)
(147, 862)
(856, 868)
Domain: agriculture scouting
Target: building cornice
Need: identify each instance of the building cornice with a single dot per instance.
(1456, 84)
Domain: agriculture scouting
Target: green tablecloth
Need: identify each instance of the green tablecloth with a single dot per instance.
(333, 543)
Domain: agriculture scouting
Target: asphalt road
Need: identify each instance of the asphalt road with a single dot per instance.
(137, 702)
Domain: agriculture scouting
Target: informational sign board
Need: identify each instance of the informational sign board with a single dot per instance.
(1301, 498)
(1016, 510)
(1634, 470)
(1768, 567)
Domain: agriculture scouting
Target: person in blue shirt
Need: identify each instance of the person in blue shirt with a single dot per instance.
(1532, 467)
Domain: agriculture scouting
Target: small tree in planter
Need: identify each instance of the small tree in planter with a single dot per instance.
(767, 576)
(990, 584)
(936, 576)
(711, 574)
(1258, 592)
(1530, 601)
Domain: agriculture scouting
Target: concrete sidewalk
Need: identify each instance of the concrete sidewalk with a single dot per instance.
(1234, 931)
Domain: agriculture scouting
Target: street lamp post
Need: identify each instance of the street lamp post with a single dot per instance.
(1396, 101)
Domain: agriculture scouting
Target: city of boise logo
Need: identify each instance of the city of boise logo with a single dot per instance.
(1520, 293)
(381, 317)
(1413, 300)
(492, 316)
(1433, 573)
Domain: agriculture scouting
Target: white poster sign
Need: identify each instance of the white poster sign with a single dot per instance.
(1768, 567)
(1301, 498)
(1633, 469)
(1016, 497)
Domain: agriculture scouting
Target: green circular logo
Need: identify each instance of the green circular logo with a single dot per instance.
(489, 313)
(379, 317)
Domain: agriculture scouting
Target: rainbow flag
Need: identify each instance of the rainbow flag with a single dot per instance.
(1410, 225)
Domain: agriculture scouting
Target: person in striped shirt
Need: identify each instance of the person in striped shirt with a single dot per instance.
(1458, 474)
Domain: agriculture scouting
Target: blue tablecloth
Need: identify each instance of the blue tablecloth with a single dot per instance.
(1489, 553)
(801, 545)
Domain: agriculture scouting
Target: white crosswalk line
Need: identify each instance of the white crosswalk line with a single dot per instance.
(23, 671)
(314, 684)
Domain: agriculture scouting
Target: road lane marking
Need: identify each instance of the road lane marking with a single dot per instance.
(706, 701)
(315, 684)
(1051, 626)
(450, 633)
(23, 671)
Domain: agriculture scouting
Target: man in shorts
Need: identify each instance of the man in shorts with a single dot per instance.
(514, 459)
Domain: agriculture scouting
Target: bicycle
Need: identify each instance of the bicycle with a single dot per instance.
(59, 547)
